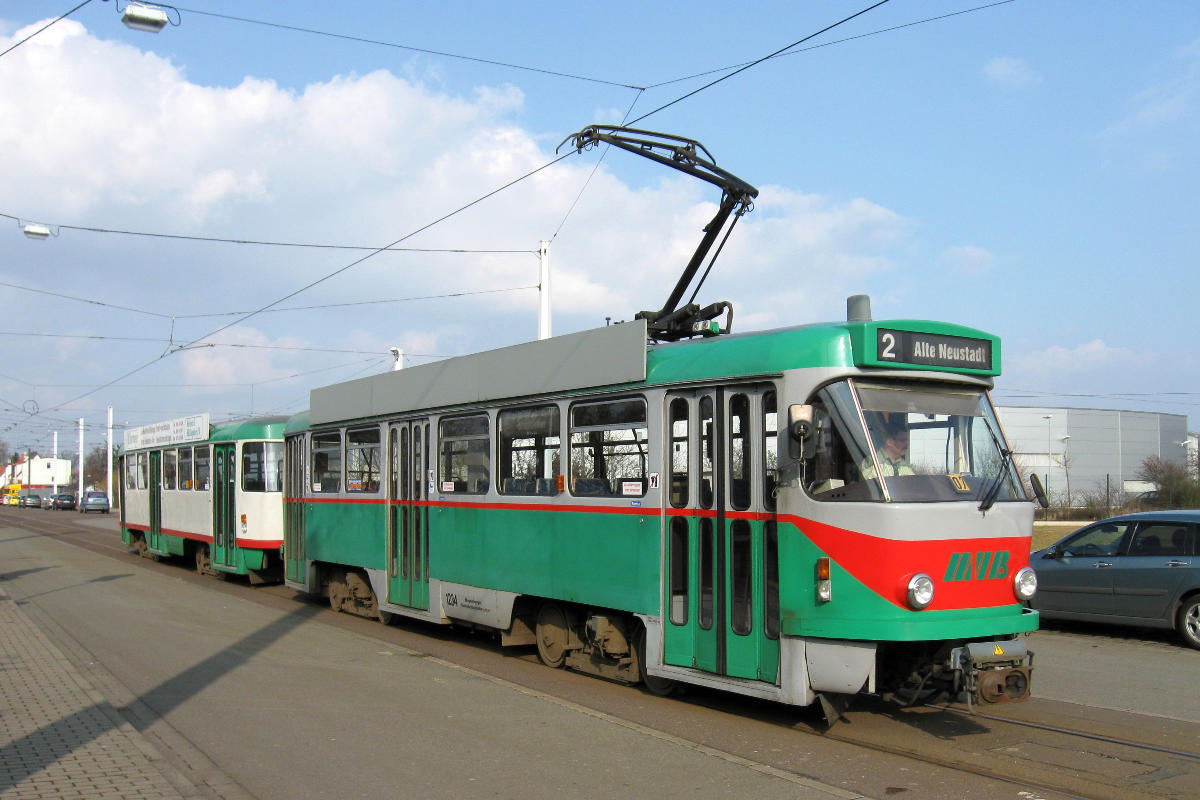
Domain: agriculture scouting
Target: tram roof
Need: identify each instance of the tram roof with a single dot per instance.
(270, 427)
(618, 355)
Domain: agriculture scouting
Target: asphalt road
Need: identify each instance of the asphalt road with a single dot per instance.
(255, 700)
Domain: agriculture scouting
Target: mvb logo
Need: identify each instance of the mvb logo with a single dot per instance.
(977, 566)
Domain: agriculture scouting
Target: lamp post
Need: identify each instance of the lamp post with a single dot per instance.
(1066, 465)
(1049, 452)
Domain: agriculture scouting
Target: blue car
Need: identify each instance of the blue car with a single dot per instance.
(1137, 569)
(93, 501)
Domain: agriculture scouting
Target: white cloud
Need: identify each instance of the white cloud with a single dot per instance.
(99, 133)
(1010, 73)
(968, 259)
(1091, 358)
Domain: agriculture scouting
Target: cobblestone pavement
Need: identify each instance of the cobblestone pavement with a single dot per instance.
(59, 738)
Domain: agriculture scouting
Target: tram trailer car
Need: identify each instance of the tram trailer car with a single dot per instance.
(209, 493)
(715, 511)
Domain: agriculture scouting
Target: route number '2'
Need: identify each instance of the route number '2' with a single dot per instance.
(888, 348)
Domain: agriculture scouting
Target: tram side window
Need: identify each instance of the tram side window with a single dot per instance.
(770, 450)
(131, 472)
(185, 468)
(739, 452)
(143, 470)
(465, 463)
(327, 461)
(203, 458)
(362, 459)
(679, 452)
(170, 468)
(530, 450)
(609, 449)
(262, 467)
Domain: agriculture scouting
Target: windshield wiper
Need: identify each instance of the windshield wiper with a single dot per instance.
(993, 490)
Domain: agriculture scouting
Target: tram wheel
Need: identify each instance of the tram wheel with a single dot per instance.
(551, 635)
(203, 561)
(1189, 622)
(656, 685)
(139, 545)
(338, 592)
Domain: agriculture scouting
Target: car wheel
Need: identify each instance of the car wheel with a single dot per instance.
(1188, 621)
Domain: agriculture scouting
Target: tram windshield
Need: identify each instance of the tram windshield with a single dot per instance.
(906, 442)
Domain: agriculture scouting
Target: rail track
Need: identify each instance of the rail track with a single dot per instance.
(1095, 755)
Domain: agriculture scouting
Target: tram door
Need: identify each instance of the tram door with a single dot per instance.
(408, 514)
(294, 510)
(224, 483)
(722, 606)
(154, 535)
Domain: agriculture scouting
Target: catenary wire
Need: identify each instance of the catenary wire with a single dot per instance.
(756, 62)
(427, 51)
(829, 44)
(44, 27)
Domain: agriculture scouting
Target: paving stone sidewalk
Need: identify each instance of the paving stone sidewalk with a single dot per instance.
(59, 737)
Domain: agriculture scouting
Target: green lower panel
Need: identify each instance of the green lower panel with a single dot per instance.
(607, 560)
(353, 534)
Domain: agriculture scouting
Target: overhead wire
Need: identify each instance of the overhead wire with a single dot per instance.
(830, 43)
(44, 27)
(428, 51)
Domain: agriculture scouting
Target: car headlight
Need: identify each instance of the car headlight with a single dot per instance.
(920, 591)
(1025, 583)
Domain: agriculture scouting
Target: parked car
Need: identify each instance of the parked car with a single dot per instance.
(63, 502)
(47, 502)
(31, 501)
(1136, 569)
(93, 501)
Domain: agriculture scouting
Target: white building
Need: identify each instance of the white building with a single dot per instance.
(38, 472)
(1089, 450)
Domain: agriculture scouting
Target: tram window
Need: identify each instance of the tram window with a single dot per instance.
(262, 467)
(739, 452)
(252, 467)
(679, 571)
(706, 574)
(530, 450)
(707, 454)
(185, 468)
(609, 449)
(465, 455)
(771, 580)
(327, 461)
(679, 452)
(131, 471)
(203, 457)
(362, 459)
(770, 450)
(143, 467)
(741, 600)
(170, 467)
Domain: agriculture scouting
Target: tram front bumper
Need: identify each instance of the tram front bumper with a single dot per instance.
(993, 672)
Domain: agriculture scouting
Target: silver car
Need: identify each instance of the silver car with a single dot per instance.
(1137, 569)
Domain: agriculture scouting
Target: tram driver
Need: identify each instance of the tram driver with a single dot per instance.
(892, 454)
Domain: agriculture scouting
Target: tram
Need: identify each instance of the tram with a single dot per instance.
(800, 515)
(211, 493)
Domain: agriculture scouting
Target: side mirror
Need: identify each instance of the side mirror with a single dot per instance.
(1038, 492)
(800, 429)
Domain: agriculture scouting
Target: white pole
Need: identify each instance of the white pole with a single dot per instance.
(544, 289)
(81, 457)
(108, 461)
(54, 472)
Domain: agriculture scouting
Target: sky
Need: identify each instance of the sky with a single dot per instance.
(1026, 168)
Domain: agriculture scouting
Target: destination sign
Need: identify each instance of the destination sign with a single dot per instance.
(173, 431)
(933, 349)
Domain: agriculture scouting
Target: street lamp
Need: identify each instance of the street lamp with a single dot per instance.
(1049, 451)
(146, 17)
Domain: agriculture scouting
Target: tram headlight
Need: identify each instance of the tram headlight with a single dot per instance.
(1025, 583)
(920, 591)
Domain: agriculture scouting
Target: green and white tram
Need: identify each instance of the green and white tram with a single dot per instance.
(712, 511)
(208, 493)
